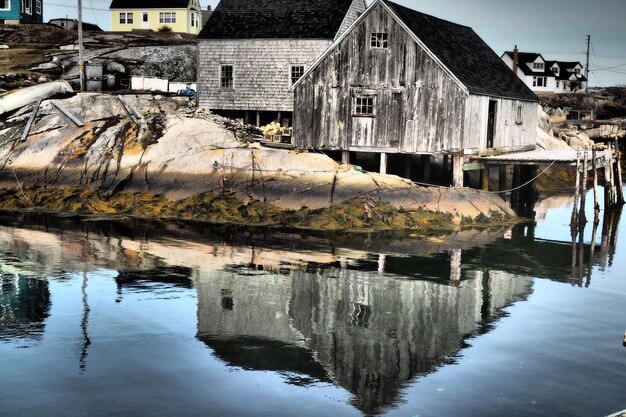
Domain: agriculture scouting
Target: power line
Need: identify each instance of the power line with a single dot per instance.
(74, 7)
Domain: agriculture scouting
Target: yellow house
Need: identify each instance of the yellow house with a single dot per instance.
(183, 16)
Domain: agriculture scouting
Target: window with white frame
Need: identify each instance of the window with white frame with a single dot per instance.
(540, 81)
(38, 6)
(5, 4)
(29, 6)
(194, 19)
(555, 70)
(297, 71)
(379, 40)
(167, 17)
(538, 65)
(126, 18)
(577, 71)
(363, 106)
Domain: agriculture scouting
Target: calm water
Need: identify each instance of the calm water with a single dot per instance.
(125, 319)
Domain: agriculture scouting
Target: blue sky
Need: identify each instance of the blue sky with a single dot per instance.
(557, 29)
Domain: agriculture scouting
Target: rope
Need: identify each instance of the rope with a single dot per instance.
(526, 183)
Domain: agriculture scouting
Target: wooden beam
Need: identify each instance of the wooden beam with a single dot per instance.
(502, 180)
(131, 112)
(596, 205)
(67, 113)
(474, 166)
(457, 170)
(485, 179)
(345, 157)
(383, 163)
(618, 176)
(31, 119)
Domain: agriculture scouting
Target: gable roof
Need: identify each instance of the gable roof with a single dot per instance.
(525, 57)
(149, 4)
(465, 54)
(276, 19)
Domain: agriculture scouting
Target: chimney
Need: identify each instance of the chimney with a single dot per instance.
(515, 59)
(208, 7)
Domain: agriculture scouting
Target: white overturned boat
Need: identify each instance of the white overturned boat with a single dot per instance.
(15, 99)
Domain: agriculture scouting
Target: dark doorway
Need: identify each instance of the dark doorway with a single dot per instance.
(491, 123)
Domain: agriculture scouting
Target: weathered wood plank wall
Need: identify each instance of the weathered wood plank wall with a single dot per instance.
(508, 135)
(419, 107)
(261, 71)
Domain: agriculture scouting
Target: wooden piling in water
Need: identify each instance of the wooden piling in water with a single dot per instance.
(582, 219)
(596, 205)
(574, 218)
(608, 187)
(618, 176)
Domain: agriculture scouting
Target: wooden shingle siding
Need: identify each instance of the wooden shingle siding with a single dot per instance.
(356, 9)
(261, 71)
(419, 107)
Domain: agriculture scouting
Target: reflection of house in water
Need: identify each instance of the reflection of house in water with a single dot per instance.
(24, 307)
(371, 333)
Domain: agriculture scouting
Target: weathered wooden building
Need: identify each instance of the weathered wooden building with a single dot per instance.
(252, 51)
(402, 82)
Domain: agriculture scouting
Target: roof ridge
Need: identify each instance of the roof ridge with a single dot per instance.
(408, 9)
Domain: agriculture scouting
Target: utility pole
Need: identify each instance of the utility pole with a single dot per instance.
(81, 58)
(587, 67)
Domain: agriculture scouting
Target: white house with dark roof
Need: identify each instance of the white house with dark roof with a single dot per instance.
(545, 76)
(251, 52)
(400, 83)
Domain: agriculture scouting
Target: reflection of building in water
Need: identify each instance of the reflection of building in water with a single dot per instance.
(24, 307)
(372, 333)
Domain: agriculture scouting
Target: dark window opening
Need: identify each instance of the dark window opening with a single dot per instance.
(227, 300)
(297, 71)
(364, 106)
(379, 40)
(227, 77)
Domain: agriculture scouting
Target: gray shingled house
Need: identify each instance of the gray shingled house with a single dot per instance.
(399, 82)
(252, 51)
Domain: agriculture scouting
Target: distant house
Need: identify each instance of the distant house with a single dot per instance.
(21, 11)
(399, 82)
(72, 24)
(542, 75)
(182, 16)
(251, 52)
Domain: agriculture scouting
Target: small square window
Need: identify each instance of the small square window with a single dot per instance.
(379, 40)
(363, 106)
(297, 71)
(226, 79)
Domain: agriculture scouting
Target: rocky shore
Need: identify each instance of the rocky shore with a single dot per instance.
(182, 163)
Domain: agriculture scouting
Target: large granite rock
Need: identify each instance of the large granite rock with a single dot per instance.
(177, 154)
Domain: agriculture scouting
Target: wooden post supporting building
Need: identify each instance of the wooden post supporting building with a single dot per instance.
(457, 170)
(383, 163)
(485, 179)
